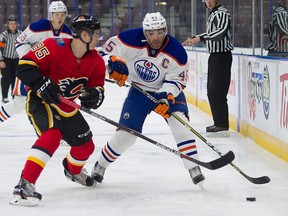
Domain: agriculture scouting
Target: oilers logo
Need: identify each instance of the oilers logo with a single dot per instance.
(146, 70)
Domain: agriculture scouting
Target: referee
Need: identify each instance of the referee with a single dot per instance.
(278, 31)
(219, 45)
(8, 57)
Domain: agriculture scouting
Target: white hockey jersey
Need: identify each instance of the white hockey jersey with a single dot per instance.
(163, 70)
(38, 31)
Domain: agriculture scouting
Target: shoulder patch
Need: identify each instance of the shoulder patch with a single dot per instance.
(176, 50)
(133, 37)
(40, 25)
(60, 41)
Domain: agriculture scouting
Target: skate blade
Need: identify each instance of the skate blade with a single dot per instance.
(18, 200)
(63, 143)
(219, 134)
(201, 185)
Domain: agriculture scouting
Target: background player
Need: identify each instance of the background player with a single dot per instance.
(34, 33)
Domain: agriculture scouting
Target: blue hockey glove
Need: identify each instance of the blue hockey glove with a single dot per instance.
(165, 101)
(118, 70)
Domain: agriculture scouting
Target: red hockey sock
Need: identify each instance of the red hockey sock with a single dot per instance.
(78, 156)
(41, 152)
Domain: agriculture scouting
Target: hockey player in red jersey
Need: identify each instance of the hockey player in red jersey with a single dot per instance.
(71, 68)
(158, 63)
(37, 31)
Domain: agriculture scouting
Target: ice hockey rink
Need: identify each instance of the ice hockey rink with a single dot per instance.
(146, 180)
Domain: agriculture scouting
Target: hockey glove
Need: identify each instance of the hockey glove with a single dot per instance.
(118, 70)
(93, 98)
(48, 91)
(165, 101)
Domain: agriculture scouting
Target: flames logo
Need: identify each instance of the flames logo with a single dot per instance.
(72, 87)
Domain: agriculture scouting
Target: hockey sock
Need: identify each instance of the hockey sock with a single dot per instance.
(185, 140)
(78, 156)
(12, 107)
(118, 144)
(40, 154)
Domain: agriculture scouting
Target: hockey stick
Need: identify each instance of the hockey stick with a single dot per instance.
(257, 180)
(212, 165)
(111, 81)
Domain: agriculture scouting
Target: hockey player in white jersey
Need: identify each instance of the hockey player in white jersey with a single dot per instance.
(158, 63)
(34, 33)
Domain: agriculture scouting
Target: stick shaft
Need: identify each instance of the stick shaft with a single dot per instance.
(215, 164)
(259, 180)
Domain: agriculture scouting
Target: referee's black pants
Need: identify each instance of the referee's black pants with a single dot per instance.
(219, 75)
(8, 76)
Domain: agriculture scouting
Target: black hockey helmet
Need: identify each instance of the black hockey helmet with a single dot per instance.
(12, 19)
(84, 23)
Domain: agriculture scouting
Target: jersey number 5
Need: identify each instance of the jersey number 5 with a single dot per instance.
(41, 53)
(110, 46)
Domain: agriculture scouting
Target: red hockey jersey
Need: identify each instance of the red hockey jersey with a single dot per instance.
(55, 60)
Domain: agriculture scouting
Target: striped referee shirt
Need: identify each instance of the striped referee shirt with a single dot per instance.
(218, 35)
(7, 44)
(278, 30)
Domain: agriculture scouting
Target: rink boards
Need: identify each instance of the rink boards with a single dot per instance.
(257, 98)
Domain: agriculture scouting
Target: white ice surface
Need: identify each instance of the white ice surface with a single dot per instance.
(145, 180)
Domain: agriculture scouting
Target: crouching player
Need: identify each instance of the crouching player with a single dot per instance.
(66, 67)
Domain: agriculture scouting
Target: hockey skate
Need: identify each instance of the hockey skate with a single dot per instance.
(214, 131)
(25, 194)
(5, 100)
(98, 173)
(197, 176)
(82, 178)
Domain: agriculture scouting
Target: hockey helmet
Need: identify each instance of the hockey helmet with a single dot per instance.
(12, 19)
(84, 23)
(57, 6)
(154, 21)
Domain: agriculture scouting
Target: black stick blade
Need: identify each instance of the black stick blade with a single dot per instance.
(223, 160)
(259, 180)
(214, 164)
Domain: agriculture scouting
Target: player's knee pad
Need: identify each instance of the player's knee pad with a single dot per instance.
(49, 140)
(83, 151)
(180, 133)
(121, 141)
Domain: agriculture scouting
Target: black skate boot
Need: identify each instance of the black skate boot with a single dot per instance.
(82, 178)
(214, 131)
(98, 173)
(25, 194)
(197, 176)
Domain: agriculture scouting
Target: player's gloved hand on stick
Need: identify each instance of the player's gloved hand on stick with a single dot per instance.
(118, 70)
(48, 91)
(92, 98)
(165, 101)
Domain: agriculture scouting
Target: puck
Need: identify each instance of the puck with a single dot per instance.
(251, 199)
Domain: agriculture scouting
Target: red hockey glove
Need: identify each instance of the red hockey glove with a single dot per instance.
(165, 101)
(92, 98)
(118, 70)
